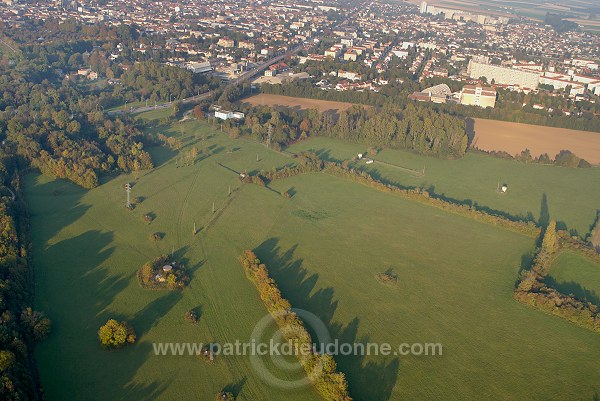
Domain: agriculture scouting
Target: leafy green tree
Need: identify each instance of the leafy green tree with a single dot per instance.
(36, 324)
(115, 334)
(550, 241)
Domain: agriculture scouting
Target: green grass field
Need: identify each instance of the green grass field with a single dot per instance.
(87, 248)
(324, 246)
(575, 274)
(573, 195)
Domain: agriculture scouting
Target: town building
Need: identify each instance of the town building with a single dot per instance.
(478, 96)
(227, 115)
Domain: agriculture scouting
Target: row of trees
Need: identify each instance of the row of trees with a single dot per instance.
(564, 158)
(418, 129)
(533, 290)
(321, 369)
(20, 326)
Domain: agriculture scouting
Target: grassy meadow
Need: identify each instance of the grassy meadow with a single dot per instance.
(324, 247)
(573, 273)
(572, 195)
(87, 248)
(455, 283)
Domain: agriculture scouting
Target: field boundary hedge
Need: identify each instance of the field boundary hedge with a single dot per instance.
(309, 162)
(321, 369)
(532, 289)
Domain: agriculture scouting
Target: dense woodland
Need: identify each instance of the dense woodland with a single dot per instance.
(414, 128)
(58, 125)
(20, 326)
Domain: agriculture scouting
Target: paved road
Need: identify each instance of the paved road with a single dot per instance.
(245, 76)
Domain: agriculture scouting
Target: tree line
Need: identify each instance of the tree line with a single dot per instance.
(21, 327)
(321, 369)
(310, 162)
(417, 129)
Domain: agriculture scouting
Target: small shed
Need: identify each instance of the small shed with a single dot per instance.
(167, 268)
(360, 156)
(369, 161)
(504, 188)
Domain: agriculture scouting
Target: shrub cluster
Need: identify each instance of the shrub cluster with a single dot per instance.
(224, 396)
(191, 316)
(533, 291)
(321, 369)
(152, 275)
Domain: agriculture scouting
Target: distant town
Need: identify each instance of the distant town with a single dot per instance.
(356, 47)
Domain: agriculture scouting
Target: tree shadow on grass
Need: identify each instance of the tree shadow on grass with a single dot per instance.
(368, 380)
(526, 264)
(86, 289)
(573, 288)
(236, 388)
(150, 316)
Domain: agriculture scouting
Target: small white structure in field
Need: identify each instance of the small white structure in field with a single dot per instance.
(369, 161)
(360, 156)
(167, 268)
(504, 188)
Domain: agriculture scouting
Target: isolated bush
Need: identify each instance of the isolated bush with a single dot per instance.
(191, 316)
(157, 236)
(224, 396)
(584, 164)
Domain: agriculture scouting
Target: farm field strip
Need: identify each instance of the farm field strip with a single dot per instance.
(515, 137)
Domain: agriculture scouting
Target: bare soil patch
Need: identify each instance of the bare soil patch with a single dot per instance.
(297, 103)
(516, 137)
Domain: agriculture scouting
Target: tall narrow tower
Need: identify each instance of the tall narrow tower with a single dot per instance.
(128, 190)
